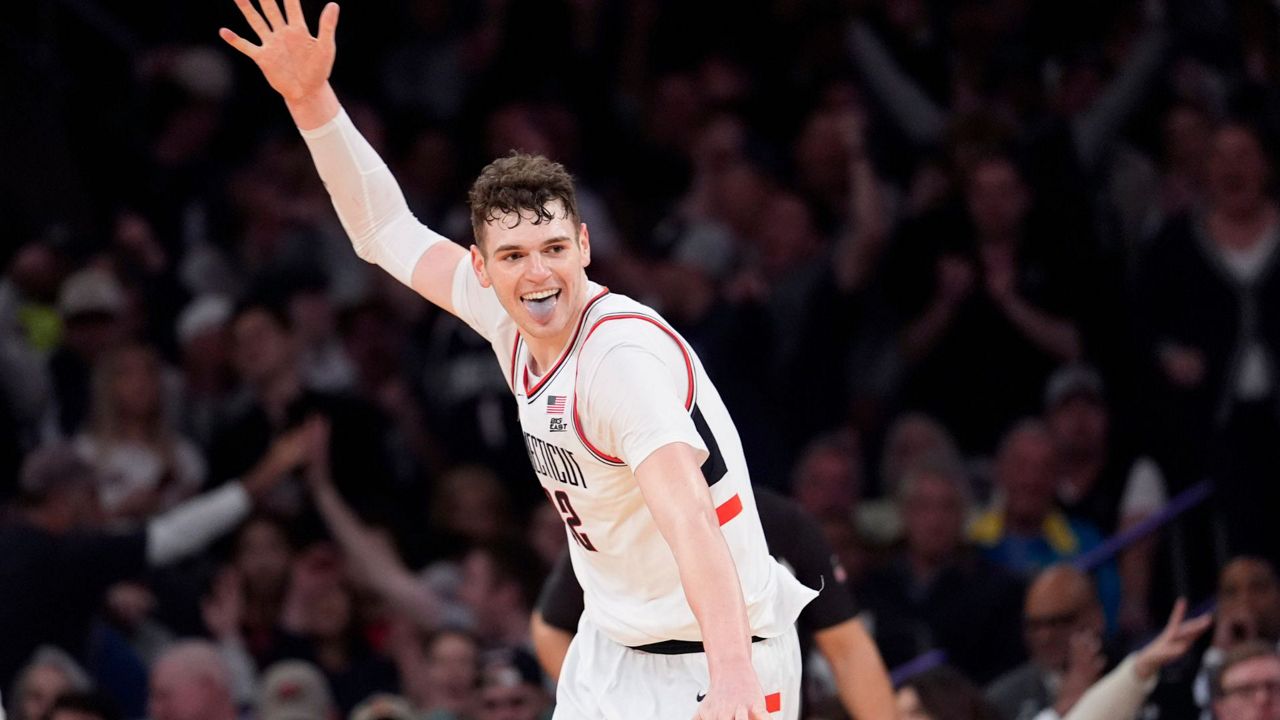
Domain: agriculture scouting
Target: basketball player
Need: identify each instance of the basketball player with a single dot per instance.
(686, 613)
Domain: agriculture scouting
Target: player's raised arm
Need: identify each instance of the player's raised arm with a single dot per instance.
(369, 202)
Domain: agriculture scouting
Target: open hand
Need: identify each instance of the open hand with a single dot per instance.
(295, 64)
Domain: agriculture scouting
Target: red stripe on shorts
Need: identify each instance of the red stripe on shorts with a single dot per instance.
(773, 703)
(729, 510)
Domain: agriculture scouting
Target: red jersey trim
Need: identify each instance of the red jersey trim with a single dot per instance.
(531, 392)
(689, 391)
(773, 703)
(729, 510)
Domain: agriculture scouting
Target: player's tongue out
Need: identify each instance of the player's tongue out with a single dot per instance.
(541, 304)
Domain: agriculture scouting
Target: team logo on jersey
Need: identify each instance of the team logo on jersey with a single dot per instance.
(555, 404)
(557, 424)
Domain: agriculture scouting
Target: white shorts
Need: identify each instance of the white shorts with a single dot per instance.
(602, 680)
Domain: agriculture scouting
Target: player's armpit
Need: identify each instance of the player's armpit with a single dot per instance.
(433, 276)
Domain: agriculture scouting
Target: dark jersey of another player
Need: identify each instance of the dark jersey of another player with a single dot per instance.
(794, 538)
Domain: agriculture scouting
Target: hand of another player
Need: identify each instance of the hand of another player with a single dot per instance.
(295, 63)
(1172, 642)
(737, 700)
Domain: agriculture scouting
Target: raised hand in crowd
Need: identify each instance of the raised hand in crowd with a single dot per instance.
(1172, 642)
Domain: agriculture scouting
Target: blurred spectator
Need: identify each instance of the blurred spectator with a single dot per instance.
(1247, 686)
(827, 479)
(442, 675)
(500, 582)
(1064, 628)
(938, 592)
(1100, 481)
(942, 694)
(266, 355)
(208, 379)
(511, 688)
(546, 533)
(83, 706)
(321, 623)
(294, 689)
(56, 561)
(994, 302)
(912, 438)
(92, 304)
(383, 707)
(323, 360)
(48, 675)
(1248, 612)
(1121, 693)
(1207, 294)
(144, 465)
(1023, 530)
(190, 681)
(262, 558)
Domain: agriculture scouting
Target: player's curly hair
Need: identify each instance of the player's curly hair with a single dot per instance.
(526, 185)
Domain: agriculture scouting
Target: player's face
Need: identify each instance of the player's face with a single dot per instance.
(537, 270)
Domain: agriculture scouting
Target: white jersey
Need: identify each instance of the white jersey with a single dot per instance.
(587, 422)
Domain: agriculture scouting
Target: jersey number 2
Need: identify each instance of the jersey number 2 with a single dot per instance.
(571, 519)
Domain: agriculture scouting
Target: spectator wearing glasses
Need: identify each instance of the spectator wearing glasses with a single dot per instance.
(1063, 627)
(1247, 685)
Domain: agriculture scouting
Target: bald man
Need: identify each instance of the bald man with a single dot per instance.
(190, 681)
(1063, 626)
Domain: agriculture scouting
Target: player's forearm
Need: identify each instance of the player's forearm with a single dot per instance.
(860, 674)
(711, 585)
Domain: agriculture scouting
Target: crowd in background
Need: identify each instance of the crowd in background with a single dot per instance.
(983, 284)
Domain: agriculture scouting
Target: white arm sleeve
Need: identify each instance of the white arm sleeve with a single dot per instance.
(1119, 694)
(191, 526)
(632, 393)
(369, 202)
(474, 304)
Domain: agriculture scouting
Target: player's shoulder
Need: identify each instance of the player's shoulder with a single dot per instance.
(618, 320)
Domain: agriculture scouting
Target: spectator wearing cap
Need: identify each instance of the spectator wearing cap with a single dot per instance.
(92, 304)
(294, 690)
(56, 560)
(1023, 529)
(49, 674)
(208, 378)
(1247, 685)
(190, 681)
(511, 688)
(1103, 483)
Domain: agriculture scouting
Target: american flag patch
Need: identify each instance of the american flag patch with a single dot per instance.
(555, 404)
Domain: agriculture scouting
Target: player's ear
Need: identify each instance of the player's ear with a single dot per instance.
(477, 265)
(584, 244)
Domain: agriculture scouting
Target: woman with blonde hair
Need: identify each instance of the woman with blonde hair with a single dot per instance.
(144, 465)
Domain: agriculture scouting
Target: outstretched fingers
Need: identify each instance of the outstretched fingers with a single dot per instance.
(293, 13)
(328, 23)
(238, 42)
(255, 20)
(272, 12)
